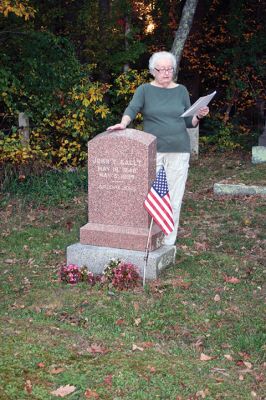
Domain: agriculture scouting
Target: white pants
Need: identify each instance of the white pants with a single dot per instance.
(176, 168)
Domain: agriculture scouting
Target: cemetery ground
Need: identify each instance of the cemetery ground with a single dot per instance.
(198, 332)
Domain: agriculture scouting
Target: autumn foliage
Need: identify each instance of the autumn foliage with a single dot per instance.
(73, 82)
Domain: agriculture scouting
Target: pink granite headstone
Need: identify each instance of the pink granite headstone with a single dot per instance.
(121, 170)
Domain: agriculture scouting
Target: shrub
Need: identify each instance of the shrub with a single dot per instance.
(218, 135)
(62, 125)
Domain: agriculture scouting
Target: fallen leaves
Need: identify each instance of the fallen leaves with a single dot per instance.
(31, 217)
(201, 246)
(217, 298)
(16, 306)
(69, 225)
(63, 391)
(202, 394)
(28, 386)
(248, 364)
(91, 394)
(108, 380)
(179, 282)
(119, 321)
(57, 370)
(151, 369)
(231, 279)
(205, 357)
(142, 346)
(228, 357)
(220, 371)
(97, 349)
(198, 345)
(10, 261)
(135, 347)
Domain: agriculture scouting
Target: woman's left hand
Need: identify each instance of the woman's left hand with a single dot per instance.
(203, 112)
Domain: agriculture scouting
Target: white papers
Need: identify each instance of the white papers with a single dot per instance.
(201, 102)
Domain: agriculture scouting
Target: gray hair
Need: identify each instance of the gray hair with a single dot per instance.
(158, 56)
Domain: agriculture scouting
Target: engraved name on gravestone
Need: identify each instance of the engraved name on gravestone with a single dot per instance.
(121, 170)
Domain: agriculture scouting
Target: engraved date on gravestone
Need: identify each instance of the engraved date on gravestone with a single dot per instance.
(116, 174)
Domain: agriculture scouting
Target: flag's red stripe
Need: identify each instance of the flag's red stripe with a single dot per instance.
(165, 200)
(157, 210)
(157, 219)
(163, 204)
(161, 224)
(159, 207)
(156, 199)
(159, 213)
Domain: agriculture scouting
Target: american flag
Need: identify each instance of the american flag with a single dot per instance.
(158, 205)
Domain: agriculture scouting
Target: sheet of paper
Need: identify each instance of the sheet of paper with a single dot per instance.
(201, 102)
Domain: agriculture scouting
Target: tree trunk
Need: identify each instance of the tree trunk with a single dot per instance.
(127, 32)
(104, 23)
(185, 24)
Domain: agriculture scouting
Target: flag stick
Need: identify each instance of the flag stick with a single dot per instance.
(147, 253)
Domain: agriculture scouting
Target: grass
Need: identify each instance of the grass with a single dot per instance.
(47, 329)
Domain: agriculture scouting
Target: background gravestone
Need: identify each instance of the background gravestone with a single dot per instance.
(259, 152)
(194, 142)
(24, 127)
(121, 170)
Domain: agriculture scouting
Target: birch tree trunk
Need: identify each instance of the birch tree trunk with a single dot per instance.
(104, 24)
(185, 25)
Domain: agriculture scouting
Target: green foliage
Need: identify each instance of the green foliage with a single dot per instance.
(123, 89)
(35, 80)
(217, 135)
(44, 66)
(61, 135)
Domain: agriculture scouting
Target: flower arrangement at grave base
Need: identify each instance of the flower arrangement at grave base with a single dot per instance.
(108, 269)
(70, 274)
(73, 274)
(125, 276)
(119, 274)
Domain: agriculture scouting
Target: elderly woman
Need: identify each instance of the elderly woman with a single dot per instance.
(161, 103)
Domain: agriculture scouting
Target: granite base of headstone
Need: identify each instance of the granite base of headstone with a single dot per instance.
(121, 170)
(96, 257)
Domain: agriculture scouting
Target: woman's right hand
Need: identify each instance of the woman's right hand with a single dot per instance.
(115, 127)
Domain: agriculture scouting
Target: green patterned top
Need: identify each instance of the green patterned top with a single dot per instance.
(161, 109)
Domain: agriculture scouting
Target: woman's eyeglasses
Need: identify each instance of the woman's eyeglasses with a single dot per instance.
(162, 70)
